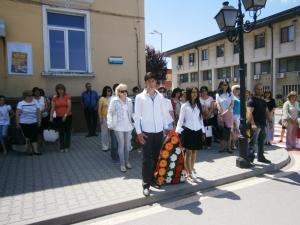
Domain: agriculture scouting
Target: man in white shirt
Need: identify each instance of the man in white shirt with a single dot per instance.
(150, 121)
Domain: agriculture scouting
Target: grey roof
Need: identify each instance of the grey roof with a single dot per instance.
(275, 18)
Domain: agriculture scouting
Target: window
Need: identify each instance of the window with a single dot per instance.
(224, 73)
(259, 41)
(204, 54)
(192, 58)
(286, 89)
(236, 72)
(262, 67)
(206, 75)
(220, 50)
(183, 78)
(194, 77)
(289, 64)
(236, 48)
(179, 60)
(287, 34)
(66, 35)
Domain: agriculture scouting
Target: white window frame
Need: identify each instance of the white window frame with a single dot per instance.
(86, 14)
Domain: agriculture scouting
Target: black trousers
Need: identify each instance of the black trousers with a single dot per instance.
(91, 117)
(151, 150)
(64, 130)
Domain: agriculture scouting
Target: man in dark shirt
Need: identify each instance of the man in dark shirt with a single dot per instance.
(257, 113)
(89, 100)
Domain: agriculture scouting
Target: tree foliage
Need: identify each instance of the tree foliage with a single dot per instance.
(156, 63)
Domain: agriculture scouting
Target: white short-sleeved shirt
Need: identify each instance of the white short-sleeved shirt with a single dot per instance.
(224, 100)
(41, 102)
(206, 103)
(4, 114)
(28, 112)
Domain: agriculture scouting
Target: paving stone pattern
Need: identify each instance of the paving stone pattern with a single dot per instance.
(35, 188)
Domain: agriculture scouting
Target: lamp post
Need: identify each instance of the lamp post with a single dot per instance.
(231, 21)
(159, 33)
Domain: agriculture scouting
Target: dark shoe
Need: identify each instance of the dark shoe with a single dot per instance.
(155, 185)
(146, 192)
(37, 153)
(264, 160)
(95, 135)
(88, 135)
(221, 150)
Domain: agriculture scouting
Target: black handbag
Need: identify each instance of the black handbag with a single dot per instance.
(18, 137)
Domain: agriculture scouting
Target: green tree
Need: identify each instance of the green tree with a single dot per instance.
(156, 63)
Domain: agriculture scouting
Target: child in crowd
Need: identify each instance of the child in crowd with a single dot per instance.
(5, 113)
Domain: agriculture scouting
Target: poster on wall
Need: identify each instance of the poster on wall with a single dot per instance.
(19, 58)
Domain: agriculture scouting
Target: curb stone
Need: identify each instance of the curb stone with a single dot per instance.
(171, 192)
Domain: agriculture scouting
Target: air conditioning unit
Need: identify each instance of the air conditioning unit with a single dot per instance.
(280, 75)
(192, 64)
(210, 81)
(235, 79)
(256, 77)
(298, 73)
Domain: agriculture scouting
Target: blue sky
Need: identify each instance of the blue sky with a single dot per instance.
(185, 21)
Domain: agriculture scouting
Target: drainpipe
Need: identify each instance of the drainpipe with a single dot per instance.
(137, 58)
(273, 80)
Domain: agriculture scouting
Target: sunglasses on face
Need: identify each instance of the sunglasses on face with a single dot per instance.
(123, 91)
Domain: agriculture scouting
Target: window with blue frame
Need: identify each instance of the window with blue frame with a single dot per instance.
(67, 42)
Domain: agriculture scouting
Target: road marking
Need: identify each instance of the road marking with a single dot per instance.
(146, 211)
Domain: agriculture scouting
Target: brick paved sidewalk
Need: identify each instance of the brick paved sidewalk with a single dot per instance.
(56, 185)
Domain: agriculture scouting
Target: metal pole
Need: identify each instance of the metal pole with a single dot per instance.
(161, 42)
(242, 161)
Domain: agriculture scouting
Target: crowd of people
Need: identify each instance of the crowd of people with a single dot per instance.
(199, 116)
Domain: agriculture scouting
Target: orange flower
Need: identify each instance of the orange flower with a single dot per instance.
(174, 140)
(160, 180)
(162, 171)
(163, 163)
(169, 146)
(165, 154)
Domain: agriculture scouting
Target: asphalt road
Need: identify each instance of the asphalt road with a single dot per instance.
(271, 199)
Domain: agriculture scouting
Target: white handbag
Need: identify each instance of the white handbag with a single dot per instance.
(208, 131)
(50, 135)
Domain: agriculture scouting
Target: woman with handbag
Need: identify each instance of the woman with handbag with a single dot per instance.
(61, 105)
(119, 119)
(207, 103)
(28, 119)
(225, 102)
(289, 119)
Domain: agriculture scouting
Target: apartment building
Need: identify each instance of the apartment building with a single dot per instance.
(272, 57)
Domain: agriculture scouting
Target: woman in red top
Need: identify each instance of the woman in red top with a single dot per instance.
(61, 116)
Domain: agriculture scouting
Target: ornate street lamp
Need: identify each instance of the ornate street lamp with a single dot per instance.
(231, 21)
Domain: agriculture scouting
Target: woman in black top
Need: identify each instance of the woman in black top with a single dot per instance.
(270, 123)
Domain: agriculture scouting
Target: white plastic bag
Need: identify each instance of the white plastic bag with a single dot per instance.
(50, 135)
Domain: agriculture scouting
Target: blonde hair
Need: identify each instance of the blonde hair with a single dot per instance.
(292, 93)
(120, 87)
